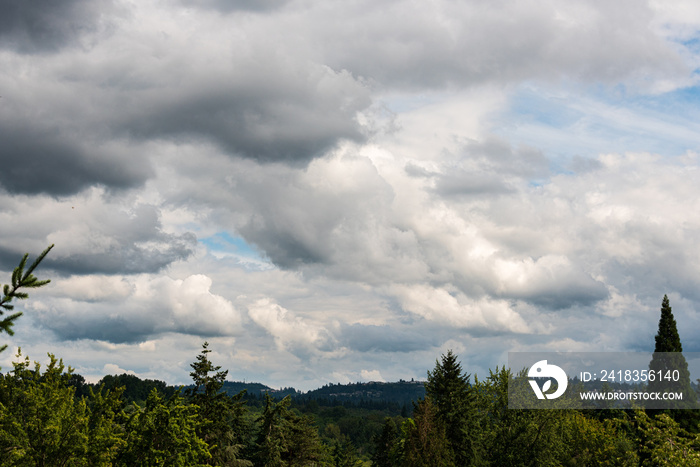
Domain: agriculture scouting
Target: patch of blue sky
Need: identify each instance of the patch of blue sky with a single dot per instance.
(586, 123)
(225, 245)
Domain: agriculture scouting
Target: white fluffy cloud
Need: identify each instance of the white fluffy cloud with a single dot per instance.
(135, 308)
(290, 332)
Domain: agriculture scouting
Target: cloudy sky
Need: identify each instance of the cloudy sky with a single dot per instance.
(336, 191)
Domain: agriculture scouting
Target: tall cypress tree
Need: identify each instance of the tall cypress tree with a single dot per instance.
(667, 358)
(667, 339)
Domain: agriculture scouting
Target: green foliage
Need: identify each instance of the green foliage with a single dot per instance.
(665, 443)
(668, 356)
(134, 389)
(344, 454)
(424, 440)
(21, 279)
(544, 437)
(516, 437)
(222, 424)
(105, 435)
(385, 444)
(163, 433)
(594, 442)
(286, 439)
(41, 424)
(449, 390)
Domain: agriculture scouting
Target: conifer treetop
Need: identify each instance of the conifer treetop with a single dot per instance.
(667, 339)
(21, 279)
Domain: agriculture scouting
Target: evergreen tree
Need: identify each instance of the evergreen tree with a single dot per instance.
(385, 443)
(21, 279)
(425, 442)
(286, 439)
(42, 424)
(450, 391)
(222, 424)
(668, 357)
(163, 433)
(667, 339)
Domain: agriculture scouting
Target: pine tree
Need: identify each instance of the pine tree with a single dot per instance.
(222, 416)
(450, 391)
(286, 439)
(21, 279)
(385, 444)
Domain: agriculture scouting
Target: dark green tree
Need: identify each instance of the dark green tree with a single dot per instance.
(344, 454)
(667, 338)
(667, 358)
(134, 388)
(385, 444)
(21, 279)
(222, 418)
(286, 439)
(449, 390)
(424, 439)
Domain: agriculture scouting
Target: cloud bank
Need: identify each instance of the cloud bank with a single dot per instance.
(332, 192)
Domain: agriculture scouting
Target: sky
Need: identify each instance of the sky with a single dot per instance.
(341, 191)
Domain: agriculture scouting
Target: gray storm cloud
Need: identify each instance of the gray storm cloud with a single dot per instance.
(45, 26)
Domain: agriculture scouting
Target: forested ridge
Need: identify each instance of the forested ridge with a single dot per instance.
(51, 417)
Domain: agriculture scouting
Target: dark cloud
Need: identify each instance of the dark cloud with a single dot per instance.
(128, 258)
(103, 327)
(417, 171)
(471, 183)
(114, 242)
(565, 296)
(40, 26)
(54, 161)
(228, 6)
(367, 338)
(312, 217)
(132, 326)
(284, 112)
(489, 167)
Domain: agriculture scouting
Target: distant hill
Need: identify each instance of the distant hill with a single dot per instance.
(257, 389)
(400, 392)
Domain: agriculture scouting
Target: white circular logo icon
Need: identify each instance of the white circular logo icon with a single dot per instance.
(542, 370)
